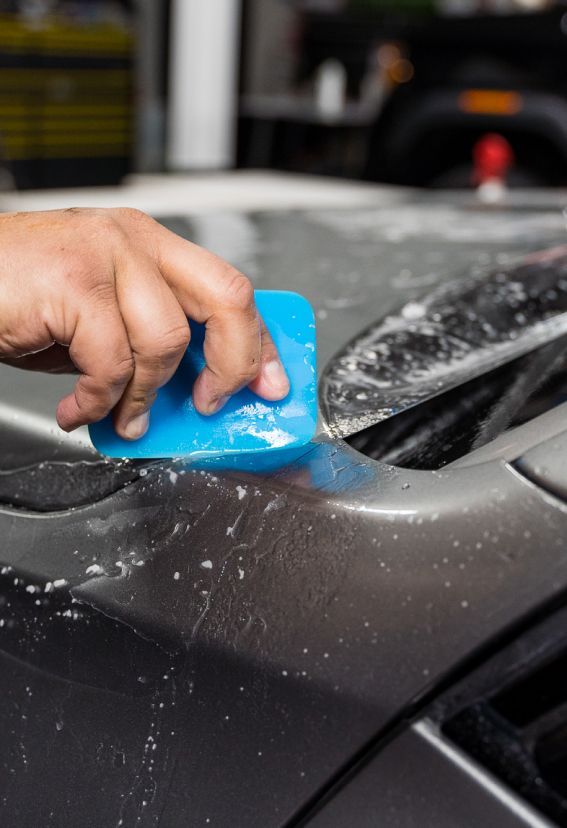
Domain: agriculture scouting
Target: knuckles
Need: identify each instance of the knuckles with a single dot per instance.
(238, 292)
(108, 237)
(165, 347)
(131, 217)
(173, 341)
(104, 233)
(121, 371)
(95, 223)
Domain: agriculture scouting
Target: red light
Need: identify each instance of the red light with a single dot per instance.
(492, 156)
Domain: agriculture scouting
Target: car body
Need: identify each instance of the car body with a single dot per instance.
(291, 645)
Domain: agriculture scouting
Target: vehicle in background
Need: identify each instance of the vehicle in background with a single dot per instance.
(472, 76)
(423, 85)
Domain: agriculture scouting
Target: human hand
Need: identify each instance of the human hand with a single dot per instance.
(107, 293)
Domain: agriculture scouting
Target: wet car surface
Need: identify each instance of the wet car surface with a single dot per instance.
(244, 646)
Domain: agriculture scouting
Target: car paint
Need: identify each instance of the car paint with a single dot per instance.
(200, 646)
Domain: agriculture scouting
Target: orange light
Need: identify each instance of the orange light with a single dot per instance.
(490, 102)
(401, 71)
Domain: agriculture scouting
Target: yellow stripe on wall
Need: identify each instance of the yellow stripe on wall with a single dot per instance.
(38, 123)
(58, 36)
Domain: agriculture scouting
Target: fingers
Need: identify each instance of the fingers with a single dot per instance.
(237, 346)
(126, 346)
(231, 348)
(272, 382)
(158, 333)
(117, 293)
(100, 349)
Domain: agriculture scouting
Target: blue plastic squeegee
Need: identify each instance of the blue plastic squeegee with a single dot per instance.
(247, 425)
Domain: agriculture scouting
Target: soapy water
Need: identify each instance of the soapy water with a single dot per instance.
(456, 333)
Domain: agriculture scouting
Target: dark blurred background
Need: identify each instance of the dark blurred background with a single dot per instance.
(445, 93)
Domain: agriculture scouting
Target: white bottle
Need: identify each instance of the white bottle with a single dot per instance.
(330, 89)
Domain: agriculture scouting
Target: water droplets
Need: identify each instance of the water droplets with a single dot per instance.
(451, 336)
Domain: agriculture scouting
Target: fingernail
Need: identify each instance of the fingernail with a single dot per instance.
(274, 374)
(137, 427)
(216, 405)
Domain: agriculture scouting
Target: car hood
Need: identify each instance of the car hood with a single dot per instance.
(270, 626)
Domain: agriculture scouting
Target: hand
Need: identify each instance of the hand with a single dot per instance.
(107, 293)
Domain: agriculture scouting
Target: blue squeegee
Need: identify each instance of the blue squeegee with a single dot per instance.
(247, 424)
